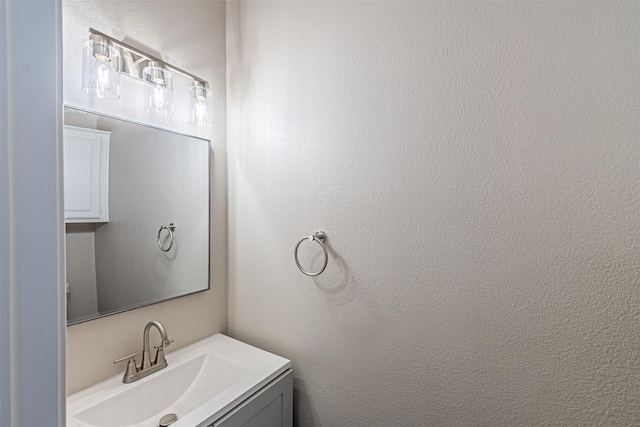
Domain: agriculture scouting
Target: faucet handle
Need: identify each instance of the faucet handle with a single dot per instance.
(132, 369)
(163, 344)
(160, 359)
(130, 358)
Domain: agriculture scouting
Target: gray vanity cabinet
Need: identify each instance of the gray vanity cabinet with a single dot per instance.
(271, 406)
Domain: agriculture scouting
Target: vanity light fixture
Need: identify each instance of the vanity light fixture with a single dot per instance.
(101, 68)
(105, 58)
(201, 104)
(158, 92)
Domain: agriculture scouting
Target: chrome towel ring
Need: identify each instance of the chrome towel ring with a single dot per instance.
(318, 236)
(170, 228)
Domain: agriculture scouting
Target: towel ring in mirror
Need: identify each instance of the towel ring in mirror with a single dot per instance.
(170, 228)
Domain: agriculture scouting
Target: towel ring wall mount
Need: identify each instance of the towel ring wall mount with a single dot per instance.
(320, 237)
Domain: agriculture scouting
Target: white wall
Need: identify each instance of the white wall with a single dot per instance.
(475, 166)
(189, 35)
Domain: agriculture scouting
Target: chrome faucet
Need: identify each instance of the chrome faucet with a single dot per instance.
(147, 367)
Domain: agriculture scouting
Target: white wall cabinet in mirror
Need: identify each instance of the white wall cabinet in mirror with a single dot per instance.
(86, 175)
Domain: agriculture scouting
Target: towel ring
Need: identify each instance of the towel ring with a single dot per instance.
(318, 236)
(170, 228)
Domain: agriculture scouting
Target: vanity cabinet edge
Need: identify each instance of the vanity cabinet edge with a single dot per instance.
(271, 406)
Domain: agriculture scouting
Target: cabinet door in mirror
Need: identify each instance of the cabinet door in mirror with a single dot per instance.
(155, 243)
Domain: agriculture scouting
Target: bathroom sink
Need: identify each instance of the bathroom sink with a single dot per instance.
(202, 381)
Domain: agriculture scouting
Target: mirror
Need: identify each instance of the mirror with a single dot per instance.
(136, 213)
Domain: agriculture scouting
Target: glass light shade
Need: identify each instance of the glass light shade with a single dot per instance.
(201, 105)
(158, 89)
(101, 69)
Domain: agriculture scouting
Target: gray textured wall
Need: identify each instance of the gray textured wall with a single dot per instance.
(475, 166)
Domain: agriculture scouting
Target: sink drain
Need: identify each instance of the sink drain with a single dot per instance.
(168, 419)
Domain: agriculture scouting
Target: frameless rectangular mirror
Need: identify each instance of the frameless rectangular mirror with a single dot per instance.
(136, 213)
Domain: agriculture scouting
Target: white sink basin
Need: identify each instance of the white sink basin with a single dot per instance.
(202, 382)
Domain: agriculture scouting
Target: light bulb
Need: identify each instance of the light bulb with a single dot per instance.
(200, 113)
(157, 97)
(103, 77)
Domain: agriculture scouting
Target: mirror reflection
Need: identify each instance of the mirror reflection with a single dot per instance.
(136, 213)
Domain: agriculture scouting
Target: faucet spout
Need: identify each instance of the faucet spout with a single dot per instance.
(146, 357)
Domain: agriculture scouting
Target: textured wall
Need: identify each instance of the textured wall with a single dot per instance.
(190, 35)
(476, 168)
